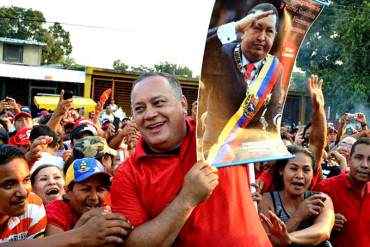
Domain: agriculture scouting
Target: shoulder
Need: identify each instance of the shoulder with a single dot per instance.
(266, 203)
(59, 214)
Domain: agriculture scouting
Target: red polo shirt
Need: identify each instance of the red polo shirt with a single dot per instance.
(146, 183)
(348, 201)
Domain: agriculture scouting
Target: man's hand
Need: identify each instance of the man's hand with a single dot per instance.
(92, 213)
(344, 119)
(13, 104)
(103, 230)
(199, 183)
(37, 146)
(311, 206)
(246, 22)
(314, 86)
(340, 220)
(63, 105)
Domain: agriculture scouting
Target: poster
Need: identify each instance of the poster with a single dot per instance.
(249, 56)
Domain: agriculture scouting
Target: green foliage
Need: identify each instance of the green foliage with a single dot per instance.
(165, 67)
(337, 49)
(119, 66)
(173, 69)
(28, 24)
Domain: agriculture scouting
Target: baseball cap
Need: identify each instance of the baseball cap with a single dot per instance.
(80, 129)
(21, 137)
(22, 114)
(92, 146)
(105, 123)
(25, 109)
(82, 169)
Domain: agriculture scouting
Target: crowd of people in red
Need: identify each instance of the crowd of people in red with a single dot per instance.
(69, 180)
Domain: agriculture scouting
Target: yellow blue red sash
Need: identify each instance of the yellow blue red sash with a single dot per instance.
(253, 102)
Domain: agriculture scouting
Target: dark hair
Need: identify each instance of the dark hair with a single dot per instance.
(362, 140)
(266, 7)
(175, 85)
(9, 153)
(280, 165)
(3, 123)
(44, 130)
(306, 140)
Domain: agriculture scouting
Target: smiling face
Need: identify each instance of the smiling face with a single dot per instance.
(158, 114)
(360, 165)
(297, 174)
(15, 186)
(88, 194)
(258, 39)
(49, 184)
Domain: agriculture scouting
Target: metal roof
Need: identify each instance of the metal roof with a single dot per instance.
(21, 41)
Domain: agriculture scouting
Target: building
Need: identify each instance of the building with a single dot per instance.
(17, 51)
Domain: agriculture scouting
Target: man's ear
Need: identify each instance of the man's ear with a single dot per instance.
(184, 104)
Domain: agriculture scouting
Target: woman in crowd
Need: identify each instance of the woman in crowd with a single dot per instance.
(308, 216)
(48, 182)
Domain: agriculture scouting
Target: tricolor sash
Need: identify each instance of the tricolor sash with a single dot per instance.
(256, 96)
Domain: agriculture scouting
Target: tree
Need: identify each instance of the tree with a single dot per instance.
(337, 49)
(28, 24)
(141, 69)
(173, 69)
(119, 66)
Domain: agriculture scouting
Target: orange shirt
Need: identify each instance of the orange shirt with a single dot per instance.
(29, 225)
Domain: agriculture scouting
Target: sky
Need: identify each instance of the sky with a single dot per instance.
(138, 32)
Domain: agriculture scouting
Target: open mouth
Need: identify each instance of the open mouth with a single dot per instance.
(298, 184)
(155, 127)
(52, 192)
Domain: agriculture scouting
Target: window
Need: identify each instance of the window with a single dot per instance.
(13, 53)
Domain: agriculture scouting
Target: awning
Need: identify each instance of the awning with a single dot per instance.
(50, 103)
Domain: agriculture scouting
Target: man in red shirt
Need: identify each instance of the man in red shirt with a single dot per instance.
(168, 196)
(351, 198)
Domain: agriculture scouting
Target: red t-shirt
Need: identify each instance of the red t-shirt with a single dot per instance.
(146, 183)
(59, 213)
(348, 201)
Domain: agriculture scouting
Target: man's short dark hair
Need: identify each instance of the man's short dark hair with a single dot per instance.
(175, 85)
(44, 130)
(9, 153)
(266, 7)
(362, 140)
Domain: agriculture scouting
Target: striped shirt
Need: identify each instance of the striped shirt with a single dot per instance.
(31, 224)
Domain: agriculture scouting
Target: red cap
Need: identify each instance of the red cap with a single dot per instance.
(21, 137)
(22, 114)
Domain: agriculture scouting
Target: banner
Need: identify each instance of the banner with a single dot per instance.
(248, 60)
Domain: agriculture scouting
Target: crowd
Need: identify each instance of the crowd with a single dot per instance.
(72, 179)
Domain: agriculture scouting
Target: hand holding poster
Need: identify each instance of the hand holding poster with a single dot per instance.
(245, 77)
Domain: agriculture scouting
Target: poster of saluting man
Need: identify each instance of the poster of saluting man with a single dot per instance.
(248, 59)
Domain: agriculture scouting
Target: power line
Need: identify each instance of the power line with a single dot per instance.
(67, 24)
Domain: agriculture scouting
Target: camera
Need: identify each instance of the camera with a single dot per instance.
(67, 95)
(352, 115)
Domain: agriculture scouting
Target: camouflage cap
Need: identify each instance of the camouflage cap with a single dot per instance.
(92, 146)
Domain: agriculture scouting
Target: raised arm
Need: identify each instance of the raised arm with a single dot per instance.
(62, 107)
(318, 131)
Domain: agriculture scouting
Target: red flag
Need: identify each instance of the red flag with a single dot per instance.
(105, 95)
